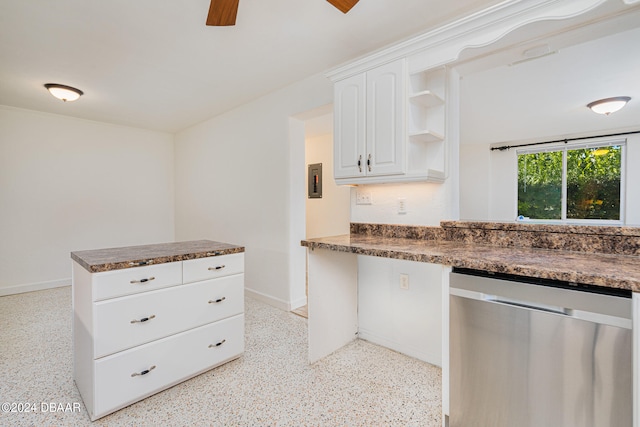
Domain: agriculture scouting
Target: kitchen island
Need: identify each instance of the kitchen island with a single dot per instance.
(591, 255)
(148, 317)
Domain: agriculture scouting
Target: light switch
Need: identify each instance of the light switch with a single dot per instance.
(402, 206)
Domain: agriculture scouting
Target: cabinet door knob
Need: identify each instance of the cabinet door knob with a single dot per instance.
(218, 344)
(217, 267)
(360, 163)
(212, 301)
(144, 319)
(369, 162)
(145, 372)
(143, 280)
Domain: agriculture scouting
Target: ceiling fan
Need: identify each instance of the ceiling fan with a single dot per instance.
(223, 12)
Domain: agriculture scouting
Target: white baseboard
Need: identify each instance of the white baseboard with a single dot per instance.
(268, 299)
(298, 303)
(31, 287)
(434, 358)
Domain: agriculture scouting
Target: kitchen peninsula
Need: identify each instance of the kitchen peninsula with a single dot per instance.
(594, 255)
(599, 256)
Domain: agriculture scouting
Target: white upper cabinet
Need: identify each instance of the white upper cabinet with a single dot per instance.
(349, 127)
(386, 120)
(389, 125)
(369, 123)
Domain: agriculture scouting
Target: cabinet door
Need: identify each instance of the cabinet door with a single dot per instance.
(386, 119)
(349, 127)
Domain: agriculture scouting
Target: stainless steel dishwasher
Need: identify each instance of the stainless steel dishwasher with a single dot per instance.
(537, 353)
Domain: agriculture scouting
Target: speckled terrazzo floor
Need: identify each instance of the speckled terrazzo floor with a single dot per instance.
(271, 385)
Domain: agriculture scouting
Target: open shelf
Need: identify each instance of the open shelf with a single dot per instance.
(426, 98)
(426, 136)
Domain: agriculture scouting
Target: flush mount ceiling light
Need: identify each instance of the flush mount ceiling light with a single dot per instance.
(608, 105)
(65, 93)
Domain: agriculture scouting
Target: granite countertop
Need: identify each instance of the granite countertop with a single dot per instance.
(601, 230)
(608, 270)
(100, 260)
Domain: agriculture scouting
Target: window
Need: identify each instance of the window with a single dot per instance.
(572, 183)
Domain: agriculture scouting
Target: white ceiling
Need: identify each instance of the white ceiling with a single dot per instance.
(154, 64)
(547, 97)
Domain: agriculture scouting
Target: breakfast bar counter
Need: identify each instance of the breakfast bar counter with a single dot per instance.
(608, 270)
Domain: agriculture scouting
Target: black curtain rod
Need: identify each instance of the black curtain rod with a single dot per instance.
(565, 140)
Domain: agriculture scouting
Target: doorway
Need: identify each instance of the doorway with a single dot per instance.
(328, 215)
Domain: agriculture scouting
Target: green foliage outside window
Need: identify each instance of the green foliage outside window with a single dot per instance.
(593, 178)
(540, 185)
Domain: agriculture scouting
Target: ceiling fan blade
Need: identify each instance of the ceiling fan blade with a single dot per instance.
(343, 5)
(222, 12)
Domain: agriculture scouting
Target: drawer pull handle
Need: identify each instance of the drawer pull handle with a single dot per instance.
(144, 319)
(218, 344)
(217, 267)
(142, 280)
(145, 372)
(217, 300)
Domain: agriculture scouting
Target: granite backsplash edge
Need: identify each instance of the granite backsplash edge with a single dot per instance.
(575, 238)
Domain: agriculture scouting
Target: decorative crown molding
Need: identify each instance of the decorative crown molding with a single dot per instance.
(444, 44)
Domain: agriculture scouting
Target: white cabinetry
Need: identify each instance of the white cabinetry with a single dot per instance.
(427, 122)
(385, 120)
(389, 126)
(369, 129)
(140, 330)
(349, 127)
(426, 106)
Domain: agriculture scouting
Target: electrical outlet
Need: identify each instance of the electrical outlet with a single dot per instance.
(402, 206)
(363, 197)
(404, 281)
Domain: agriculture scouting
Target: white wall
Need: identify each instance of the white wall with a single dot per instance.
(234, 179)
(405, 320)
(329, 215)
(474, 174)
(68, 184)
(487, 190)
(426, 204)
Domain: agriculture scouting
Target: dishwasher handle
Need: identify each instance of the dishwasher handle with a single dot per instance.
(528, 305)
(589, 316)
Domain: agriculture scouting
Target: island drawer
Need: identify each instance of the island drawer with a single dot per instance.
(126, 377)
(116, 283)
(125, 322)
(212, 267)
